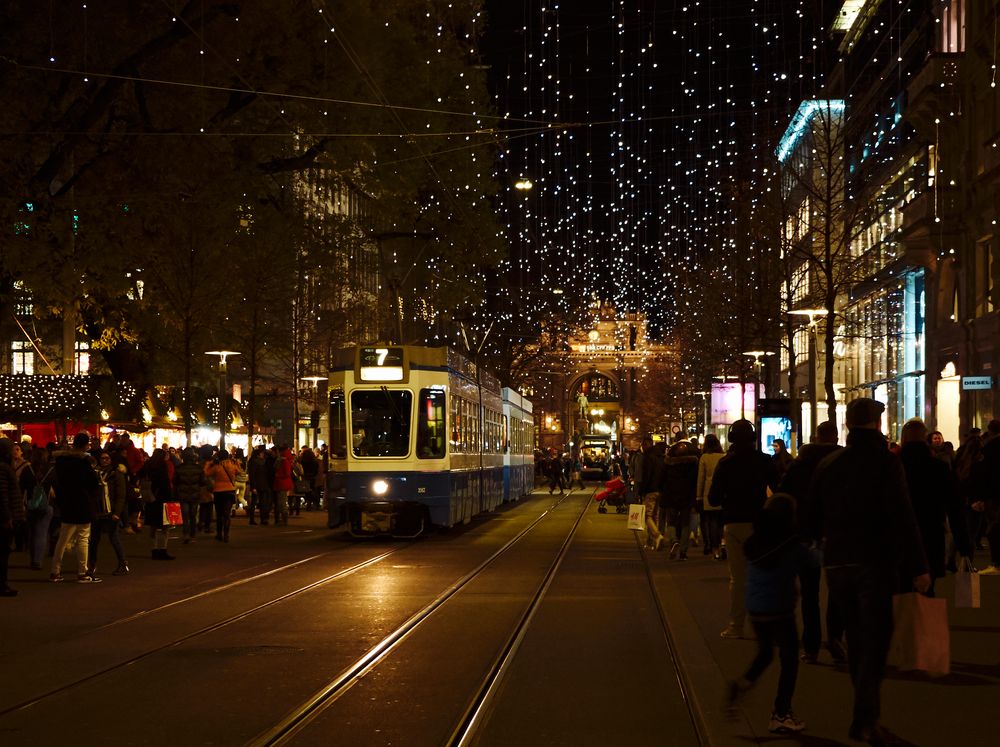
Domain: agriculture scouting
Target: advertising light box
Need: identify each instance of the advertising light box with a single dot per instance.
(726, 402)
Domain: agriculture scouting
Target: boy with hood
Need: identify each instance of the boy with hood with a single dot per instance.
(775, 557)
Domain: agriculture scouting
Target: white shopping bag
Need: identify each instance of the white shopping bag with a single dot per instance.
(967, 586)
(637, 516)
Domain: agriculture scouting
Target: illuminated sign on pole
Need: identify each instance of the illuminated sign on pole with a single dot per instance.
(726, 403)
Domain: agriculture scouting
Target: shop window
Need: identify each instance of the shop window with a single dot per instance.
(983, 269)
(431, 424)
(22, 357)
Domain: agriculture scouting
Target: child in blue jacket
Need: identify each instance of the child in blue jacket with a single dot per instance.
(774, 556)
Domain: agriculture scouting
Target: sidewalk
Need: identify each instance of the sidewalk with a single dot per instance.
(961, 708)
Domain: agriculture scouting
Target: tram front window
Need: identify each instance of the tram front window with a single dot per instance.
(380, 422)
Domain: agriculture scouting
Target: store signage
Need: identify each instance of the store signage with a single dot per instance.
(977, 382)
(380, 364)
(726, 407)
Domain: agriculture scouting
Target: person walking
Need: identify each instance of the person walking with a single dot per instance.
(986, 479)
(934, 496)
(261, 480)
(649, 489)
(798, 483)
(189, 483)
(863, 514)
(39, 509)
(775, 559)
(156, 471)
(282, 484)
(678, 494)
(221, 473)
(76, 485)
(26, 485)
(109, 522)
(782, 459)
(711, 516)
(740, 486)
(555, 469)
(10, 500)
(310, 472)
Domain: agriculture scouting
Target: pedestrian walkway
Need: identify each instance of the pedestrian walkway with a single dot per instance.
(960, 708)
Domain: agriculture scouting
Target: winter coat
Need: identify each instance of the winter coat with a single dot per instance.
(159, 477)
(934, 496)
(10, 492)
(740, 483)
(189, 479)
(26, 481)
(652, 470)
(224, 475)
(77, 487)
(115, 477)
(679, 488)
(798, 478)
(257, 475)
(310, 467)
(775, 557)
(283, 471)
(863, 511)
(706, 471)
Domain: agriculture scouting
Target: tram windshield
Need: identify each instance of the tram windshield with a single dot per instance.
(380, 422)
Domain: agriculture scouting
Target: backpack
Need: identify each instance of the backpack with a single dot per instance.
(39, 498)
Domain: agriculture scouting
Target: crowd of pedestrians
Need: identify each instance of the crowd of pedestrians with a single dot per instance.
(877, 518)
(64, 499)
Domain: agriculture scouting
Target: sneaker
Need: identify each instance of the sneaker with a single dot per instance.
(992, 570)
(683, 556)
(731, 631)
(673, 550)
(55, 577)
(121, 570)
(807, 657)
(785, 724)
(87, 579)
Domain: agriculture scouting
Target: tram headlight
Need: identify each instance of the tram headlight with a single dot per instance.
(380, 487)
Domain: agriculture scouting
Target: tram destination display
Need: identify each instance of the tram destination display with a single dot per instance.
(380, 364)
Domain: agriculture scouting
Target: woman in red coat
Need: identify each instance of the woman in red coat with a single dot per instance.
(283, 484)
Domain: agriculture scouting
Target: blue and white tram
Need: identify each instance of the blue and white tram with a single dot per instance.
(416, 440)
(519, 440)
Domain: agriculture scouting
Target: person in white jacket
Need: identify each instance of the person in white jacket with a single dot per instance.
(711, 516)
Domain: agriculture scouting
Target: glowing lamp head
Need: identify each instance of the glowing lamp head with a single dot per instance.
(380, 487)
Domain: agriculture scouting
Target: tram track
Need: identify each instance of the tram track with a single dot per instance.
(204, 630)
(303, 715)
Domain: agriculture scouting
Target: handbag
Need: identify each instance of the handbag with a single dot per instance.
(920, 639)
(637, 516)
(146, 490)
(172, 514)
(967, 586)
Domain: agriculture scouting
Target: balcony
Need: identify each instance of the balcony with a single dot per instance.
(930, 223)
(933, 92)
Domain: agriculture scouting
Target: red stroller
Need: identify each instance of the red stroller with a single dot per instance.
(614, 494)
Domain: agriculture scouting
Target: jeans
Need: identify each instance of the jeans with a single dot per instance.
(189, 512)
(205, 515)
(97, 528)
(280, 506)
(223, 512)
(265, 502)
(70, 536)
(711, 529)
(736, 534)
(864, 598)
(780, 633)
(38, 534)
(680, 521)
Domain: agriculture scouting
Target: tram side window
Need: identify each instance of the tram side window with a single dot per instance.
(338, 423)
(380, 422)
(430, 424)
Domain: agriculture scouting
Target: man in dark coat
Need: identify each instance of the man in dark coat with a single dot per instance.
(986, 492)
(934, 496)
(76, 485)
(678, 493)
(649, 489)
(864, 515)
(740, 486)
(10, 497)
(796, 483)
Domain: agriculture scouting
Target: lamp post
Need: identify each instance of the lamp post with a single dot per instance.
(813, 315)
(315, 428)
(756, 355)
(223, 394)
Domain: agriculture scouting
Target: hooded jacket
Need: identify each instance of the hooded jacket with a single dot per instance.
(115, 477)
(77, 487)
(680, 482)
(652, 470)
(863, 508)
(283, 471)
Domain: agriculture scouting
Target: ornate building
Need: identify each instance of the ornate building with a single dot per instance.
(597, 380)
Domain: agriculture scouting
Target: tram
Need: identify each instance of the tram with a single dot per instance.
(519, 440)
(419, 437)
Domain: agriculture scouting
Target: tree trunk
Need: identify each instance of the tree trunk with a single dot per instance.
(186, 394)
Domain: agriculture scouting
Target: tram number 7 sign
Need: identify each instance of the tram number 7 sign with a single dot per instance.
(380, 364)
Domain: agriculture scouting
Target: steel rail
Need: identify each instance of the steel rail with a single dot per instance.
(201, 631)
(304, 714)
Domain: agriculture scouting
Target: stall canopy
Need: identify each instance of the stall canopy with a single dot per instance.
(41, 398)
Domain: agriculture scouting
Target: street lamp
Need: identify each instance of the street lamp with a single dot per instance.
(223, 394)
(315, 422)
(524, 184)
(814, 315)
(756, 355)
